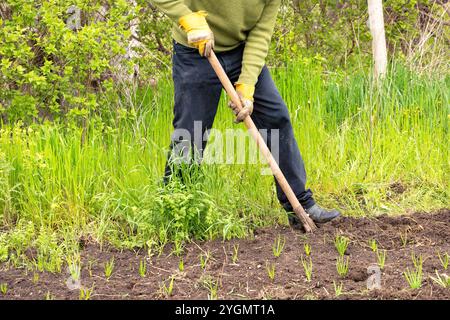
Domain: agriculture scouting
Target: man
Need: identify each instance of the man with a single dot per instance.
(240, 32)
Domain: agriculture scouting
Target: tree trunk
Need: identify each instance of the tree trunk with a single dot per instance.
(376, 25)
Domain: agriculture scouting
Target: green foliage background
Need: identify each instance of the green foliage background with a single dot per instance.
(49, 71)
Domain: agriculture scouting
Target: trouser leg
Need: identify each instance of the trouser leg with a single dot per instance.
(270, 112)
(197, 94)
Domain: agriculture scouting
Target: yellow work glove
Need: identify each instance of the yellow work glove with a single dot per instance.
(245, 93)
(198, 32)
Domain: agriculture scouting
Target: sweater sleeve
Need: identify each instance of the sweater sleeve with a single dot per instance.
(174, 9)
(257, 44)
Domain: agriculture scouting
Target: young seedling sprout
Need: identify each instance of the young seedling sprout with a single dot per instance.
(234, 258)
(35, 277)
(338, 288)
(4, 288)
(109, 268)
(151, 245)
(90, 265)
(167, 290)
(404, 238)
(49, 296)
(142, 268)
(181, 265)
(442, 280)
(85, 293)
(307, 267)
(444, 258)
(204, 259)
(74, 267)
(160, 246)
(178, 248)
(270, 270)
(342, 266)
(212, 286)
(307, 249)
(373, 245)
(381, 258)
(414, 277)
(278, 246)
(341, 244)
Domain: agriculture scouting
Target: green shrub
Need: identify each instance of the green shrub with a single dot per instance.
(48, 69)
(49, 251)
(186, 213)
(18, 241)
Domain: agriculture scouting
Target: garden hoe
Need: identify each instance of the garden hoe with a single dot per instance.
(307, 222)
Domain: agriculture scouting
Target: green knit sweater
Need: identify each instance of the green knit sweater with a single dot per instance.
(232, 22)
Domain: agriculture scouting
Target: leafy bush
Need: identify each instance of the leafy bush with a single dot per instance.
(17, 241)
(186, 213)
(55, 63)
(49, 69)
(49, 251)
(18, 247)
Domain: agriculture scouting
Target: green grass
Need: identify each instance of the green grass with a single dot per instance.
(166, 290)
(356, 140)
(444, 259)
(142, 268)
(4, 288)
(381, 258)
(442, 280)
(414, 276)
(271, 270)
(341, 243)
(307, 267)
(338, 288)
(109, 268)
(342, 266)
(278, 246)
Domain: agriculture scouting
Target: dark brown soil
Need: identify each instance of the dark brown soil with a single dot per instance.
(248, 278)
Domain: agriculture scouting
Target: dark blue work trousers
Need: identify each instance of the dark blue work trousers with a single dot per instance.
(197, 95)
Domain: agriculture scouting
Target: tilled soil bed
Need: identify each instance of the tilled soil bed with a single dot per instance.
(424, 234)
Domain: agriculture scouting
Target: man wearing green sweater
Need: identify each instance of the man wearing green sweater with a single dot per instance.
(240, 32)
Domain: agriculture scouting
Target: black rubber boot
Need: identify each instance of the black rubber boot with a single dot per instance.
(317, 214)
(320, 215)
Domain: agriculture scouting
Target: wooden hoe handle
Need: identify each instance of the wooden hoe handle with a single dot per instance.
(308, 224)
